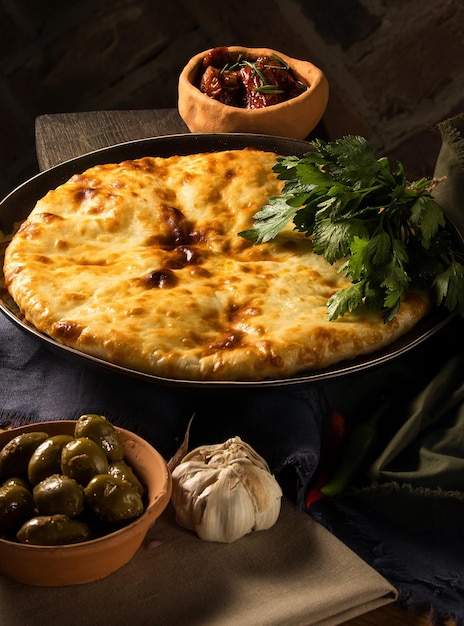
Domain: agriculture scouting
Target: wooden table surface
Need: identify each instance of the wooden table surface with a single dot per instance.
(60, 137)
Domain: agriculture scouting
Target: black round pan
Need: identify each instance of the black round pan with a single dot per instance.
(19, 203)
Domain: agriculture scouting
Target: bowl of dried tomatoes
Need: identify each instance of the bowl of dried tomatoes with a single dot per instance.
(237, 89)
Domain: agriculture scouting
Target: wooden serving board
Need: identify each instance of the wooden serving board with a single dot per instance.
(63, 136)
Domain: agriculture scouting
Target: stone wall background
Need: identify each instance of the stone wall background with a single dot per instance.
(394, 66)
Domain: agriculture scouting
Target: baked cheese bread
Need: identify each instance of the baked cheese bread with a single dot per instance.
(140, 264)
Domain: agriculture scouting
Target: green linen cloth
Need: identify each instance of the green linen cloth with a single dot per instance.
(421, 467)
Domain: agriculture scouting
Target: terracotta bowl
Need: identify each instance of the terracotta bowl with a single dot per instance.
(95, 559)
(294, 118)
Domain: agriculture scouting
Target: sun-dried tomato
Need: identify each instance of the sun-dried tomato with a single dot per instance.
(224, 86)
(251, 84)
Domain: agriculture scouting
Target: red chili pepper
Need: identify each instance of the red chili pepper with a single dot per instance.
(335, 434)
(355, 452)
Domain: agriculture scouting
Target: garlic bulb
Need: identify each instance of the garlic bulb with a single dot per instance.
(224, 491)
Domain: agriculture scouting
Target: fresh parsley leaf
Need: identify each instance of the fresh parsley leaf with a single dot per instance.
(345, 301)
(271, 219)
(449, 287)
(352, 161)
(354, 267)
(388, 233)
(426, 214)
(332, 240)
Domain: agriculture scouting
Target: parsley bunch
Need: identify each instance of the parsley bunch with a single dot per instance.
(389, 234)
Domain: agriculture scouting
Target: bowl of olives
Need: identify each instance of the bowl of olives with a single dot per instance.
(77, 498)
(237, 89)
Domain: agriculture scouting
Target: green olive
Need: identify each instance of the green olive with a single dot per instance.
(100, 430)
(16, 506)
(17, 480)
(82, 459)
(53, 530)
(59, 494)
(120, 469)
(15, 455)
(112, 500)
(46, 458)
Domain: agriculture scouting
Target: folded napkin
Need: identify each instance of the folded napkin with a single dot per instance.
(296, 573)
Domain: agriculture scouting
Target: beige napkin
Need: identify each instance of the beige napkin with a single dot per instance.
(296, 573)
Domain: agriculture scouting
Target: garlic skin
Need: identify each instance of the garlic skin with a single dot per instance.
(225, 491)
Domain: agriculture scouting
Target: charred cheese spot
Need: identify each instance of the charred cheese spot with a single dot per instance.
(83, 194)
(237, 313)
(179, 227)
(272, 359)
(111, 224)
(145, 164)
(199, 272)
(167, 195)
(67, 330)
(208, 232)
(61, 244)
(76, 297)
(29, 230)
(136, 312)
(181, 256)
(158, 279)
(49, 218)
(229, 341)
(175, 230)
(41, 258)
(257, 253)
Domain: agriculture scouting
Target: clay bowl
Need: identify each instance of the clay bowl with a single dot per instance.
(91, 560)
(294, 118)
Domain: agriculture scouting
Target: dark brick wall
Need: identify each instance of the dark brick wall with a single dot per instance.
(394, 66)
